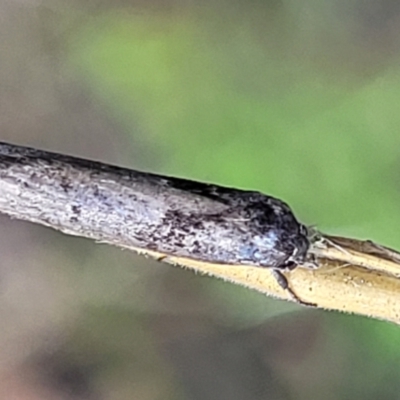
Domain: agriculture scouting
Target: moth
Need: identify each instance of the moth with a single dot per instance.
(170, 216)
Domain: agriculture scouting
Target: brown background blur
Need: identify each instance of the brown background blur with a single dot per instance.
(296, 99)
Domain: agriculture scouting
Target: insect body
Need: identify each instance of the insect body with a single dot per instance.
(146, 211)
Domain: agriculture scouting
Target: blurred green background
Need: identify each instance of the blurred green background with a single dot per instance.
(299, 100)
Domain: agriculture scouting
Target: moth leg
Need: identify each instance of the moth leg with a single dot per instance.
(284, 284)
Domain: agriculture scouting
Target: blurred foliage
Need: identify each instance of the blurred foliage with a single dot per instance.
(212, 95)
(295, 99)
